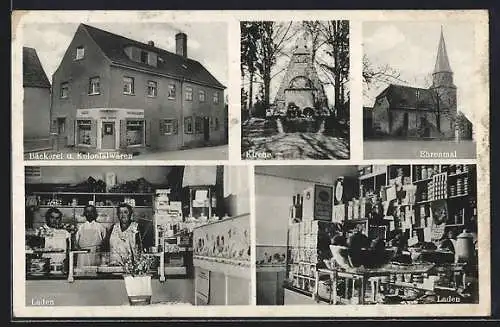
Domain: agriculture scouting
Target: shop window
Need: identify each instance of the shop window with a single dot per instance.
(135, 132)
(168, 126)
(64, 92)
(128, 85)
(216, 97)
(198, 125)
(189, 94)
(80, 53)
(94, 85)
(188, 125)
(171, 91)
(84, 132)
(152, 89)
(202, 96)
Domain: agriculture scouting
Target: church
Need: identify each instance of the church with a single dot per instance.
(301, 88)
(413, 112)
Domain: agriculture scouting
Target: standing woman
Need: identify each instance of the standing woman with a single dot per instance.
(90, 236)
(125, 236)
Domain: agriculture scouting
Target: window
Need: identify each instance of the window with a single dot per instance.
(188, 125)
(216, 97)
(144, 57)
(202, 96)
(84, 132)
(212, 123)
(168, 126)
(135, 132)
(94, 86)
(198, 126)
(128, 85)
(189, 93)
(171, 91)
(80, 53)
(64, 92)
(152, 89)
(216, 123)
(61, 125)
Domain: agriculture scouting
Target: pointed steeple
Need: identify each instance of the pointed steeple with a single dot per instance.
(442, 63)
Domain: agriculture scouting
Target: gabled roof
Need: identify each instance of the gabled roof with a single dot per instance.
(33, 73)
(171, 64)
(407, 97)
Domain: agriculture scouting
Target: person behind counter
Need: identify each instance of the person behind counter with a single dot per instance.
(125, 235)
(90, 236)
(56, 237)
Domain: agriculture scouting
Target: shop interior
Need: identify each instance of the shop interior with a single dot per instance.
(375, 234)
(91, 230)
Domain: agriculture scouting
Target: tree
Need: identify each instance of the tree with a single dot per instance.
(249, 43)
(273, 37)
(335, 35)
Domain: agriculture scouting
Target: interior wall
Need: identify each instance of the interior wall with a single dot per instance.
(78, 174)
(274, 189)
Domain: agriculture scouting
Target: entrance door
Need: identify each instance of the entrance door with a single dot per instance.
(405, 124)
(206, 128)
(108, 135)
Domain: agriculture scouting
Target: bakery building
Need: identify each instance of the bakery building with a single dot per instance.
(114, 93)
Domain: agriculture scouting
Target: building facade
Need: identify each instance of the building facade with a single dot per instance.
(114, 93)
(301, 86)
(36, 99)
(404, 111)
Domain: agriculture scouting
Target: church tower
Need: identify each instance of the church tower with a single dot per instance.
(445, 91)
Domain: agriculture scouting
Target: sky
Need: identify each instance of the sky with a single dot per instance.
(411, 49)
(206, 42)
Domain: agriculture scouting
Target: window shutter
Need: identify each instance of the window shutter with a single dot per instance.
(148, 133)
(161, 126)
(123, 133)
(175, 126)
(93, 127)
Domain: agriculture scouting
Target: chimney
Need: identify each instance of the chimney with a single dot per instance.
(181, 44)
(151, 43)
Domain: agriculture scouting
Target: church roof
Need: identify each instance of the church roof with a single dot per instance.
(171, 64)
(442, 62)
(407, 97)
(33, 73)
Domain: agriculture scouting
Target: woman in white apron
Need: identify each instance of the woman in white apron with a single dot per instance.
(56, 238)
(124, 236)
(90, 236)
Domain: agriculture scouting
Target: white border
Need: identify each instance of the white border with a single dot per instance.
(479, 17)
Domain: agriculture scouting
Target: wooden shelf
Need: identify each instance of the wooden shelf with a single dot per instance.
(371, 175)
(458, 174)
(423, 180)
(458, 196)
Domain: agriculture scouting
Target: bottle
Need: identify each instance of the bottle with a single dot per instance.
(298, 211)
(292, 209)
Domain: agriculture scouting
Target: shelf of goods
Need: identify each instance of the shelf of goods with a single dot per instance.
(382, 201)
(222, 260)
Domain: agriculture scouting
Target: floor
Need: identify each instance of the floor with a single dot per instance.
(103, 292)
(411, 149)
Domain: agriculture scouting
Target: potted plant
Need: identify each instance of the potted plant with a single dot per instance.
(137, 277)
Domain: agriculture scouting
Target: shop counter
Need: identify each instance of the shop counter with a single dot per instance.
(221, 261)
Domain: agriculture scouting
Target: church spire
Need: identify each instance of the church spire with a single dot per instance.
(442, 63)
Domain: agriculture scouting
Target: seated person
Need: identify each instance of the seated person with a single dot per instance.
(90, 236)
